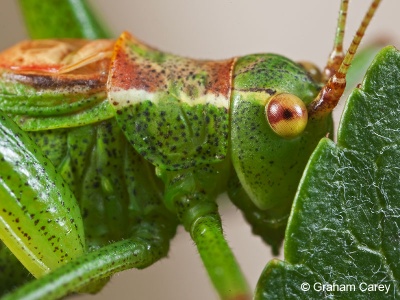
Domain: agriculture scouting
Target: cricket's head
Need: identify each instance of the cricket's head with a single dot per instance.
(279, 112)
(282, 87)
(271, 134)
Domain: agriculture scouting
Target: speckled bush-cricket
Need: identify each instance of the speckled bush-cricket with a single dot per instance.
(126, 142)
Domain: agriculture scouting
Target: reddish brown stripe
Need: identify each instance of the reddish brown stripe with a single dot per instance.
(126, 73)
(151, 70)
(220, 77)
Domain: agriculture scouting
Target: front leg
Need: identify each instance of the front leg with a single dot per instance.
(192, 194)
(174, 112)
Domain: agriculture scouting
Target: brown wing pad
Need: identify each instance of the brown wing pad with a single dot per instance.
(48, 78)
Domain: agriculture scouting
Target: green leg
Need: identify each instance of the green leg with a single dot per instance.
(218, 258)
(151, 226)
(191, 195)
(150, 244)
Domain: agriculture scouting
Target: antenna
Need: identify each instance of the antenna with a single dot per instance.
(338, 65)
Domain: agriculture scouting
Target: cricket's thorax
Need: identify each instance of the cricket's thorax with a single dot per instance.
(174, 110)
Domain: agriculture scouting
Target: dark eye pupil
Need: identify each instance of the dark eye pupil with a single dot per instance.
(287, 114)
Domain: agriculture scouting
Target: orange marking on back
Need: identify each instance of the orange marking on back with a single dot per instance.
(135, 65)
(126, 72)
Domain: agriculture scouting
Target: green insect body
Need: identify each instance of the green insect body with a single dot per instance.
(144, 141)
(187, 113)
(175, 112)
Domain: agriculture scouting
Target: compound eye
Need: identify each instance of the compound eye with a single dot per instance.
(287, 115)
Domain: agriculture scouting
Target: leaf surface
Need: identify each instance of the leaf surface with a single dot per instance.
(342, 240)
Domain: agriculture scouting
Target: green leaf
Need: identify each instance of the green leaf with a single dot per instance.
(343, 236)
(61, 19)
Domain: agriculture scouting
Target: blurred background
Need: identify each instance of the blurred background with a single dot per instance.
(218, 29)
